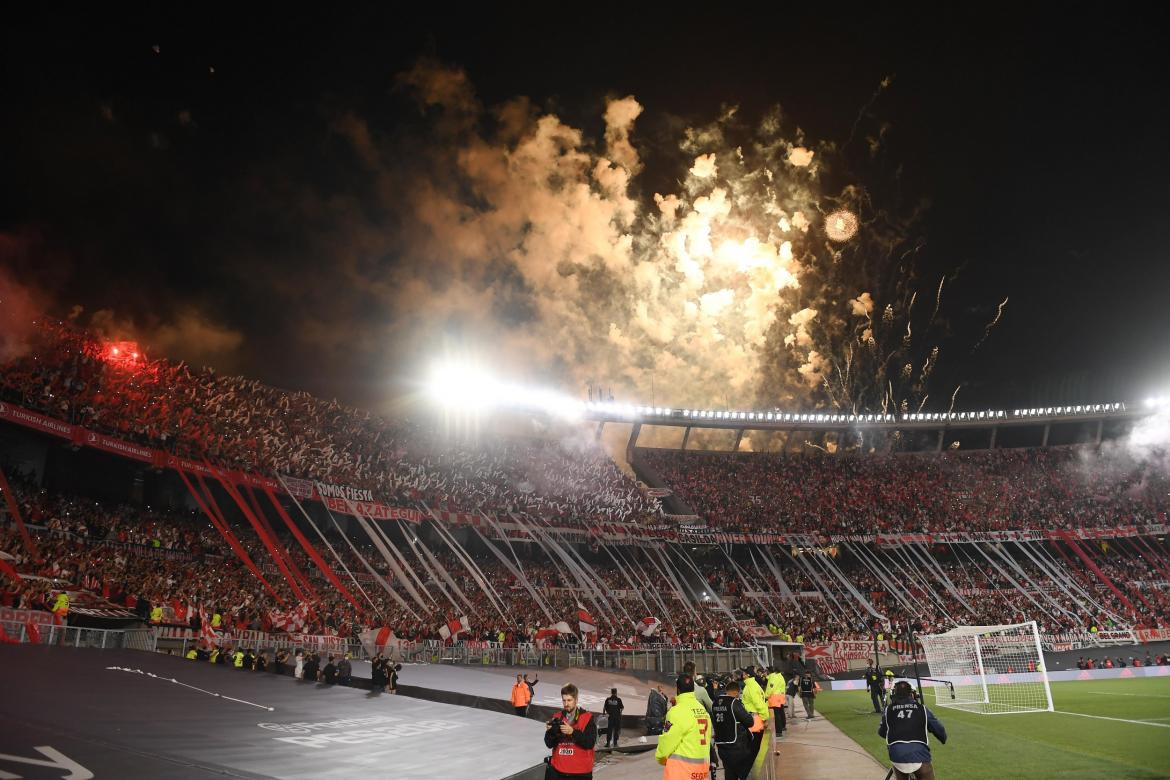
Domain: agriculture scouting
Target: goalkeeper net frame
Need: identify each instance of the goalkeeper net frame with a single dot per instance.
(995, 670)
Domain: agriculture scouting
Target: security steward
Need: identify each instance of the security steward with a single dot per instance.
(685, 745)
(613, 712)
(521, 696)
(572, 736)
(757, 705)
(61, 606)
(733, 737)
(905, 725)
(877, 690)
(809, 688)
(775, 697)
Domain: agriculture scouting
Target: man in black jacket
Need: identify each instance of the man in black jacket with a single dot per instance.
(311, 668)
(531, 691)
(732, 738)
(613, 711)
(329, 673)
(875, 685)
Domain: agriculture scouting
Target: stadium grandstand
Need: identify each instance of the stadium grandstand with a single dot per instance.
(215, 511)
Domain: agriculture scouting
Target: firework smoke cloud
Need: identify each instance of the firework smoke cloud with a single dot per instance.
(527, 241)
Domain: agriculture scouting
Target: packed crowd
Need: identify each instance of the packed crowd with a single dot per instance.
(243, 424)
(982, 490)
(166, 566)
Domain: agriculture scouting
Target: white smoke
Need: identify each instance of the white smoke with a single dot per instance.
(527, 241)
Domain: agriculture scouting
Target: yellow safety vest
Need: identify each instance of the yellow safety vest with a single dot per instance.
(239, 660)
(685, 746)
(192, 655)
(753, 698)
(61, 605)
(774, 693)
(156, 615)
(214, 656)
(215, 620)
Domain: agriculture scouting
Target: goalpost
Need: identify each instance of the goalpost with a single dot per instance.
(994, 669)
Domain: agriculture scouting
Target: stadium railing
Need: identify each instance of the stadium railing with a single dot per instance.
(75, 636)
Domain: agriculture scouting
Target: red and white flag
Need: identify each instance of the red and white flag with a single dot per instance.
(585, 621)
(293, 621)
(376, 640)
(454, 627)
(560, 627)
(647, 626)
(207, 635)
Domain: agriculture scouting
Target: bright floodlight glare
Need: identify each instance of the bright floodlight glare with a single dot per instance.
(461, 386)
(466, 387)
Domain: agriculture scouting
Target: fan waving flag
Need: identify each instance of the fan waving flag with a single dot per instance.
(293, 621)
(454, 626)
(207, 635)
(648, 625)
(585, 621)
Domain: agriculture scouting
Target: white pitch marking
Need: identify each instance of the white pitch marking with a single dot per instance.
(185, 685)
(1119, 720)
(1142, 695)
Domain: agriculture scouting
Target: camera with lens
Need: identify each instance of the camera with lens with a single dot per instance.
(556, 723)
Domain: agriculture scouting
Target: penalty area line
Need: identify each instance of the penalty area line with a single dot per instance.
(1119, 720)
(1139, 695)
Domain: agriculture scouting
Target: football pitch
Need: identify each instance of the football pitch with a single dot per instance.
(1128, 735)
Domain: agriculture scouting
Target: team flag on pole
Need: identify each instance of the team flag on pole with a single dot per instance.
(586, 622)
(648, 625)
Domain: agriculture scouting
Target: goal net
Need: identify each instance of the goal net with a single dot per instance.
(994, 669)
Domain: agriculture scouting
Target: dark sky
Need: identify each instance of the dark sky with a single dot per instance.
(139, 181)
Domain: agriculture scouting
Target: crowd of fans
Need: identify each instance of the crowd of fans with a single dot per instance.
(144, 559)
(165, 566)
(243, 424)
(981, 490)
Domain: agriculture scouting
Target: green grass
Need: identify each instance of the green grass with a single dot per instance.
(1038, 745)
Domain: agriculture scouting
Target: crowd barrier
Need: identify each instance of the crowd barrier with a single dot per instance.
(665, 659)
(75, 636)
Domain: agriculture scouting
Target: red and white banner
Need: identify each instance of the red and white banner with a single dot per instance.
(36, 616)
(87, 438)
(22, 416)
(647, 626)
(834, 657)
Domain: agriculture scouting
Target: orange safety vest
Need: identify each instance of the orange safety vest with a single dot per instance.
(683, 768)
(569, 758)
(521, 695)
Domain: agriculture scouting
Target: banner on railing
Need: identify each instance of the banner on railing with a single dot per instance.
(22, 416)
(834, 657)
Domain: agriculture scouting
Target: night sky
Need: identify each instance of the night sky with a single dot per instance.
(149, 183)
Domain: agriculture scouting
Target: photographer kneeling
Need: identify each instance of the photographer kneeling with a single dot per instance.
(572, 734)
